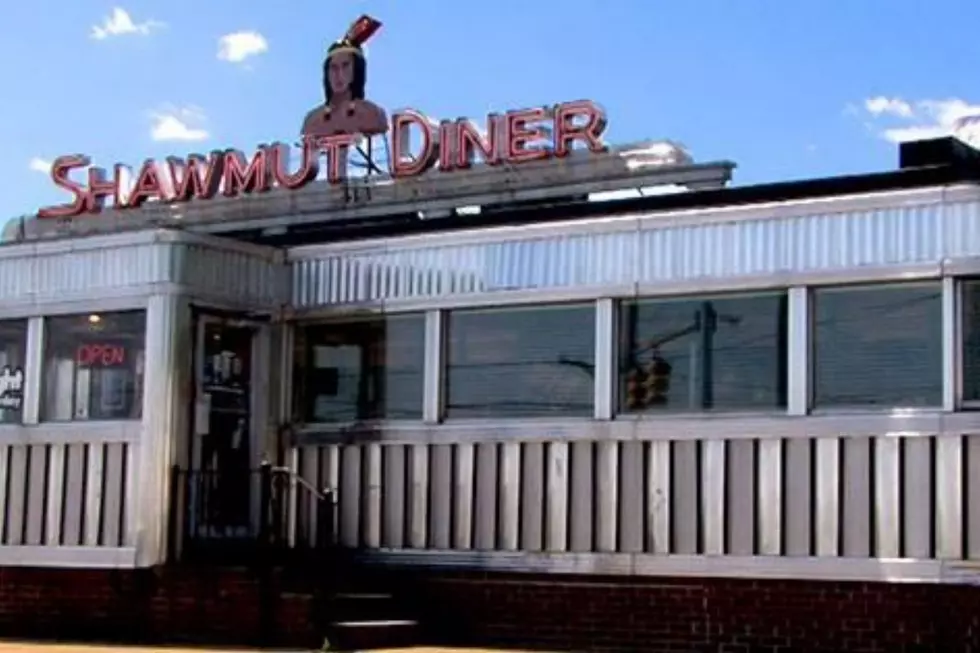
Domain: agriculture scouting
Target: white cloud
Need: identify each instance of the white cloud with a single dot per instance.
(119, 22)
(239, 46)
(38, 164)
(924, 119)
(184, 124)
(877, 106)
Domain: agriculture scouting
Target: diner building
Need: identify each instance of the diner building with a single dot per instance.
(572, 408)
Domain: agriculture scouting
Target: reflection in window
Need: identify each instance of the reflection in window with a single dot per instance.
(13, 344)
(520, 362)
(93, 366)
(711, 353)
(368, 369)
(878, 346)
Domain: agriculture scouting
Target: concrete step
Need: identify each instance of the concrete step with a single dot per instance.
(365, 606)
(373, 634)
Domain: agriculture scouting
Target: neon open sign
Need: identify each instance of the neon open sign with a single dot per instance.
(100, 355)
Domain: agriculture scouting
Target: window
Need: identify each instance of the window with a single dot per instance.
(971, 340)
(703, 353)
(361, 370)
(93, 366)
(878, 346)
(520, 362)
(13, 344)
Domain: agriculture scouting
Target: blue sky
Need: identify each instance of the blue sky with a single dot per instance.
(784, 88)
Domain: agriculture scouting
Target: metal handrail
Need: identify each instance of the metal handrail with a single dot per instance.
(294, 476)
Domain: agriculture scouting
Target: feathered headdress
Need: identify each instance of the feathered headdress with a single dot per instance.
(357, 35)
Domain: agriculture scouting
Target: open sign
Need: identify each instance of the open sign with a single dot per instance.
(100, 355)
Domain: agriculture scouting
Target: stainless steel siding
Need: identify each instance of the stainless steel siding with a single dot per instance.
(743, 496)
(607, 254)
(94, 267)
(32, 273)
(45, 502)
(231, 274)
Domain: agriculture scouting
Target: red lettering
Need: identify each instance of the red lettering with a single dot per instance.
(516, 137)
(402, 163)
(101, 187)
(308, 170)
(60, 170)
(469, 141)
(147, 185)
(335, 147)
(190, 181)
(520, 135)
(447, 136)
(567, 131)
(100, 355)
(241, 176)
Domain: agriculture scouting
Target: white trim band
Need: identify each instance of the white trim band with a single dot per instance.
(647, 564)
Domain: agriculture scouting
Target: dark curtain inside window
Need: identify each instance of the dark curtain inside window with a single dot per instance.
(878, 346)
(971, 340)
(521, 362)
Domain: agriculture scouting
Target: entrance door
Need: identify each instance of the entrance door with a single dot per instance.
(223, 446)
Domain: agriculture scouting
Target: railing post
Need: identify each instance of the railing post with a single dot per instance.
(176, 516)
(332, 501)
(266, 510)
(326, 516)
(267, 599)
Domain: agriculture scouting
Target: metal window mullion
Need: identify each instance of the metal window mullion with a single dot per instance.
(952, 344)
(33, 371)
(604, 382)
(434, 370)
(799, 360)
(287, 365)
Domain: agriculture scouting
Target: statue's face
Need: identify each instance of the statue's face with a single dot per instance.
(341, 72)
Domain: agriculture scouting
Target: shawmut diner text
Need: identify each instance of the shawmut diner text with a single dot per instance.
(514, 137)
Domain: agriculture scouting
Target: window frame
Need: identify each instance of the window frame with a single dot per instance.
(42, 386)
(710, 413)
(852, 409)
(298, 384)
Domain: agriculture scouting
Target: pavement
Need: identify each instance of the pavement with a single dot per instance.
(27, 647)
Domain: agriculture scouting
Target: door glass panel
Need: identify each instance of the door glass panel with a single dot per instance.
(225, 445)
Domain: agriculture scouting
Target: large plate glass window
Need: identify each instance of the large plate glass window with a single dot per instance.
(371, 369)
(13, 345)
(93, 366)
(695, 354)
(878, 346)
(520, 362)
(971, 342)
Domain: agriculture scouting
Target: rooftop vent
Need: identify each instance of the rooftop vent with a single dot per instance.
(948, 151)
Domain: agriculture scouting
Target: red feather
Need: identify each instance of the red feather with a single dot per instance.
(362, 29)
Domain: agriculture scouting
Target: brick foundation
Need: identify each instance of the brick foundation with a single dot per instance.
(154, 605)
(578, 613)
(556, 612)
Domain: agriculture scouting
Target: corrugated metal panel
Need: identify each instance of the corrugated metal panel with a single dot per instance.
(82, 272)
(232, 274)
(717, 250)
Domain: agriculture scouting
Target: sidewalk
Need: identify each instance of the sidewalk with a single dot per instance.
(27, 647)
